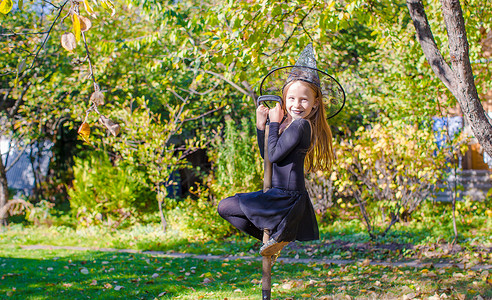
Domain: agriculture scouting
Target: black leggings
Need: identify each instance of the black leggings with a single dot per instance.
(230, 210)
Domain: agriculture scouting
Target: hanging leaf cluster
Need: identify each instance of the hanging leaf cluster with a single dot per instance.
(79, 26)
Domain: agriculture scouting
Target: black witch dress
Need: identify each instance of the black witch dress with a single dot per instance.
(285, 209)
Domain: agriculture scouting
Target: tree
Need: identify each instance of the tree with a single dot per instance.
(30, 64)
(458, 77)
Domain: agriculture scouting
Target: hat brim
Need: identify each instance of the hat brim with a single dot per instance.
(333, 93)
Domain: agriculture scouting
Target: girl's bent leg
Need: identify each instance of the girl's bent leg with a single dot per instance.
(230, 210)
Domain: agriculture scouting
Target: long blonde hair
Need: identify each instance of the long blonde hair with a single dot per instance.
(320, 155)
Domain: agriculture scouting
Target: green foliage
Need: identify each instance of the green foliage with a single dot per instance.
(237, 166)
(198, 220)
(171, 76)
(389, 170)
(105, 194)
(40, 213)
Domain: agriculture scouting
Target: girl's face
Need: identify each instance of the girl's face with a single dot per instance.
(300, 100)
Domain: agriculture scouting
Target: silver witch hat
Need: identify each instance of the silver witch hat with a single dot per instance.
(305, 69)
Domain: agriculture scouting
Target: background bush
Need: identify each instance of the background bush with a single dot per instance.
(237, 165)
(388, 169)
(104, 194)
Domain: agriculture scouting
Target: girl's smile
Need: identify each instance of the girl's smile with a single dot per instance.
(300, 100)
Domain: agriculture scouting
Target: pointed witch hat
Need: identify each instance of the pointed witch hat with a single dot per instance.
(305, 69)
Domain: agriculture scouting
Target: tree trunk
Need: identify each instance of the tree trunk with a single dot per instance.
(4, 192)
(458, 79)
(163, 218)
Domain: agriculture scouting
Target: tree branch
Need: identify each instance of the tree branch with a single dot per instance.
(96, 87)
(7, 168)
(458, 80)
(236, 86)
(204, 114)
(428, 44)
(48, 34)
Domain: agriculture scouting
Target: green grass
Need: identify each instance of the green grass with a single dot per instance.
(63, 274)
(342, 239)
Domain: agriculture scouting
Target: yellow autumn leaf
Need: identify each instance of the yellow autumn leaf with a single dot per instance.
(199, 77)
(108, 5)
(76, 27)
(88, 8)
(84, 131)
(6, 6)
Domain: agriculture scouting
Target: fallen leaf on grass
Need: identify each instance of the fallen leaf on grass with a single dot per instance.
(84, 271)
(108, 285)
(94, 282)
(67, 285)
(118, 287)
(409, 296)
(208, 274)
(366, 262)
(434, 297)
(291, 284)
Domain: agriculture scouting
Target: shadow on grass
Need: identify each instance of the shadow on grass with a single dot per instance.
(64, 274)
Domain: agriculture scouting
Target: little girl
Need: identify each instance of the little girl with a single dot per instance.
(302, 139)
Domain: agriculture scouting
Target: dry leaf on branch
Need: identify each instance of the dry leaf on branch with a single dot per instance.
(98, 98)
(84, 131)
(85, 23)
(110, 125)
(68, 41)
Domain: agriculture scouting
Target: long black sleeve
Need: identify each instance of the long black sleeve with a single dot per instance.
(280, 146)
